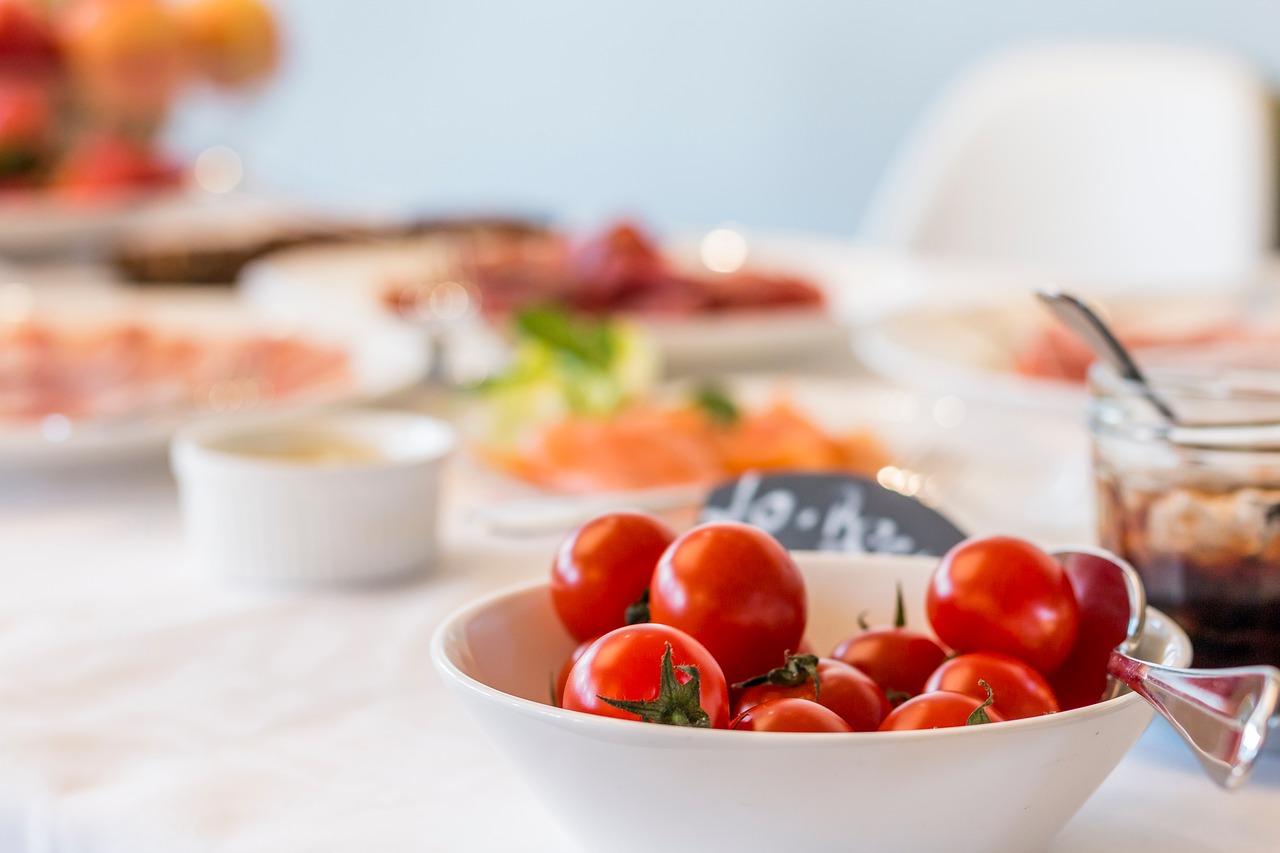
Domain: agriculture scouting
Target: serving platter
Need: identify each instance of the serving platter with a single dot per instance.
(980, 348)
(42, 224)
(975, 464)
(380, 359)
(857, 284)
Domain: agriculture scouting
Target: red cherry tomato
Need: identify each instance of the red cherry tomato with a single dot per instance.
(857, 699)
(603, 567)
(1002, 594)
(938, 710)
(735, 589)
(562, 677)
(1104, 623)
(789, 715)
(898, 659)
(1019, 690)
(626, 665)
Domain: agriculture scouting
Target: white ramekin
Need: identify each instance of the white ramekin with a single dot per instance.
(253, 516)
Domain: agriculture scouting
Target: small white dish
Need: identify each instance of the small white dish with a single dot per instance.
(338, 498)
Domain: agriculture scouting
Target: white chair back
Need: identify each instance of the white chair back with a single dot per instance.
(1123, 164)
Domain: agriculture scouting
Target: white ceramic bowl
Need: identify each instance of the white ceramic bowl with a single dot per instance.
(343, 497)
(618, 785)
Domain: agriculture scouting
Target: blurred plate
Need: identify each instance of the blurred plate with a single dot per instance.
(507, 504)
(971, 348)
(859, 285)
(382, 359)
(40, 224)
(988, 469)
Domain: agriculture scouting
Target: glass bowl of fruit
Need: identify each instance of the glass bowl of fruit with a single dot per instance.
(86, 90)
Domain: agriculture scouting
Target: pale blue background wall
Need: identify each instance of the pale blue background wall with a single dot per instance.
(774, 113)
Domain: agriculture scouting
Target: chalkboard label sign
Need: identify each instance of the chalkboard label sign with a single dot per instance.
(829, 512)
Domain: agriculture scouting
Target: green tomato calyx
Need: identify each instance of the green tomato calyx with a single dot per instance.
(676, 704)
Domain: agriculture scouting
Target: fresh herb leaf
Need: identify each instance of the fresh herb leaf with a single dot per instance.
(586, 340)
(717, 404)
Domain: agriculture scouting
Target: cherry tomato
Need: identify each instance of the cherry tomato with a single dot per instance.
(898, 659)
(857, 699)
(1104, 623)
(562, 677)
(789, 715)
(938, 710)
(627, 665)
(735, 589)
(1002, 594)
(1020, 691)
(604, 566)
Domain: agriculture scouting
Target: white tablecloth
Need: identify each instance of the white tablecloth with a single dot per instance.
(143, 708)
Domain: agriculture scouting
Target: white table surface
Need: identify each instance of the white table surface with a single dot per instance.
(143, 708)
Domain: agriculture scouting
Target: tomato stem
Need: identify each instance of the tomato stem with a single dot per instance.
(638, 610)
(979, 715)
(796, 671)
(676, 704)
(899, 613)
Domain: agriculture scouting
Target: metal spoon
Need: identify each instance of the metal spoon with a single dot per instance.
(1086, 322)
(1224, 715)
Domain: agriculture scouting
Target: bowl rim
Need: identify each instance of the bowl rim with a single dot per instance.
(449, 669)
(193, 446)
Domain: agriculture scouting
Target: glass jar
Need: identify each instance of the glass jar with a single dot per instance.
(1195, 506)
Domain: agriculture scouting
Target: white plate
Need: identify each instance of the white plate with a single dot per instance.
(989, 470)
(969, 348)
(862, 286)
(43, 224)
(503, 504)
(859, 285)
(383, 357)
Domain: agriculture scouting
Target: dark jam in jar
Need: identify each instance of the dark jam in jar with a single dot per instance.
(1189, 490)
(1209, 556)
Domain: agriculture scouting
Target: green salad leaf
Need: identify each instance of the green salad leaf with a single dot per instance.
(566, 364)
(716, 402)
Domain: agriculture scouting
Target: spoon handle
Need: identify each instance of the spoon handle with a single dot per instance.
(1085, 322)
(1223, 714)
